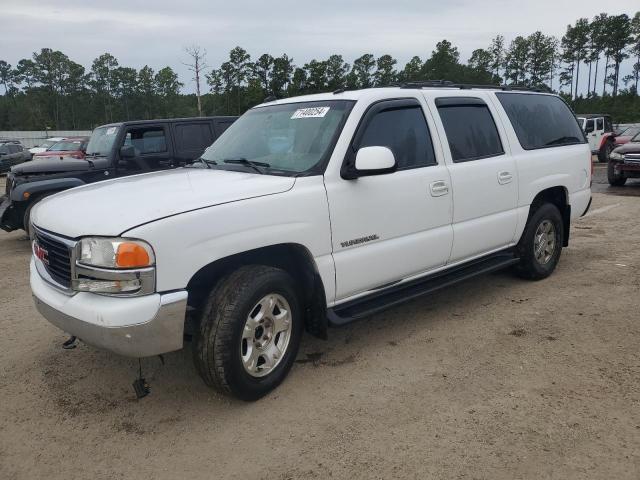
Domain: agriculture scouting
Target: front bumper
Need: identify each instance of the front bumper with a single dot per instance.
(11, 214)
(133, 327)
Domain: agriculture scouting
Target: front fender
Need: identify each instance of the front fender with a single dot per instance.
(187, 242)
(43, 186)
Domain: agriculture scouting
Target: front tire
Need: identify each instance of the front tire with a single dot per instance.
(249, 332)
(541, 243)
(615, 179)
(605, 151)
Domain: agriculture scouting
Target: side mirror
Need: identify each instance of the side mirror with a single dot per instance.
(127, 152)
(374, 161)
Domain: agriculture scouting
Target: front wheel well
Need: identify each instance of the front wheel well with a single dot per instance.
(293, 258)
(556, 196)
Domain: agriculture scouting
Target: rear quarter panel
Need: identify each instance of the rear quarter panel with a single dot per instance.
(567, 166)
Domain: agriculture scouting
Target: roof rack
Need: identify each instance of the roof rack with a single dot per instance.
(467, 86)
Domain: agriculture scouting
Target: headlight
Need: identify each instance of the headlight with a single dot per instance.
(115, 253)
(616, 156)
(114, 266)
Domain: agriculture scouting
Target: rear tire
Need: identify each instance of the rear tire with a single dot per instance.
(249, 332)
(615, 179)
(541, 243)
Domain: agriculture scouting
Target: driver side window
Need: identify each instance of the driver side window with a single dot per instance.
(147, 140)
(405, 132)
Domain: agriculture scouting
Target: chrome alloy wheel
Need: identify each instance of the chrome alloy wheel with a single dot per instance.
(544, 243)
(266, 335)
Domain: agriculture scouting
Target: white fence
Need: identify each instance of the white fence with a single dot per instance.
(34, 138)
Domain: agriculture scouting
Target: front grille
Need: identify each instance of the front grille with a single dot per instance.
(58, 258)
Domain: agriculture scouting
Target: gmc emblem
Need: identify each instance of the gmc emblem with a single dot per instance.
(40, 253)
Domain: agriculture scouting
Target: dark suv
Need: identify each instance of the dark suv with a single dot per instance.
(12, 153)
(114, 150)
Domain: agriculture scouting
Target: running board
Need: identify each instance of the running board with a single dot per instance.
(397, 294)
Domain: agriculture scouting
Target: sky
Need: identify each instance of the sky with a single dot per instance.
(155, 33)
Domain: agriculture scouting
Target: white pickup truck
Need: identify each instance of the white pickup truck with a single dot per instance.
(311, 212)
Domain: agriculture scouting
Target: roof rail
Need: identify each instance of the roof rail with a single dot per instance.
(467, 86)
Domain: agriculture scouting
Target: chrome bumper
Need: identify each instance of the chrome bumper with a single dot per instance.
(162, 334)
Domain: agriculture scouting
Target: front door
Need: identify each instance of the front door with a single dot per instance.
(152, 149)
(483, 177)
(388, 227)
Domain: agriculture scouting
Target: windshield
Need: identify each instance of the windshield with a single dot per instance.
(631, 132)
(63, 146)
(47, 144)
(291, 138)
(102, 140)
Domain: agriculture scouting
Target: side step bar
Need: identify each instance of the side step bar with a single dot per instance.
(394, 295)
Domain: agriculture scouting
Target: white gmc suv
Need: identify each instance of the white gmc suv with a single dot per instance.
(311, 212)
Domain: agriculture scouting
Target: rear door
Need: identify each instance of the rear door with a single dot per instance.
(221, 124)
(484, 179)
(191, 138)
(386, 228)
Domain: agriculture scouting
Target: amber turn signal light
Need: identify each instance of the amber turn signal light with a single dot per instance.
(132, 255)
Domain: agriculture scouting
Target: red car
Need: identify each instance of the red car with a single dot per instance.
(626, 135)
(71, 147)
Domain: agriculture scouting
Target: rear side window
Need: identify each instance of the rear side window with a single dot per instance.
(541, 121)
(600, 124)
(470, 128)
(221, 126)
(193, 137)
(404, 131)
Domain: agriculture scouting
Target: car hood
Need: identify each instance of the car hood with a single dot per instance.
(49, 165)
(115, 206)
(630, 147)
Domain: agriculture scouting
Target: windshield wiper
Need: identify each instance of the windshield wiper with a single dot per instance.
(561, 140)
(206, 162)
(249, 163)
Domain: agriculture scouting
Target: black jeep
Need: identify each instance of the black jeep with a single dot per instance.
(115, 150)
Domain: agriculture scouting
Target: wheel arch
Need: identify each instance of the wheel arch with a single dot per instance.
(294, 258)
(558, 196)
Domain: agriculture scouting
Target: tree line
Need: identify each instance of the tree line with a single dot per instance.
(50, 90)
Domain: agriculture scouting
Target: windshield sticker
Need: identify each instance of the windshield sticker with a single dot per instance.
(312, 112)
(111, 130)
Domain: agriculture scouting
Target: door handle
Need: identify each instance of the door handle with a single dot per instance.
(438, 188)
(504, 178)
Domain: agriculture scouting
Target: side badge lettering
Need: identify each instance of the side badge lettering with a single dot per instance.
(357, 241)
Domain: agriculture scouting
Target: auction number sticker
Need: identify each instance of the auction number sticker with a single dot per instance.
(311, 112)
(111, 130)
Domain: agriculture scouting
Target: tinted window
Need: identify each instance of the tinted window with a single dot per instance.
(193, 137)
(600, 124)
(404, 131)
(147, 140)
(541, 120)
(4, 149)
(608, 126)
(471, 131)
(590, 126)
(222, 126)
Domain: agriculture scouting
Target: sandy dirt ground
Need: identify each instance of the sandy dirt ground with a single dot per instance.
(497, 378)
